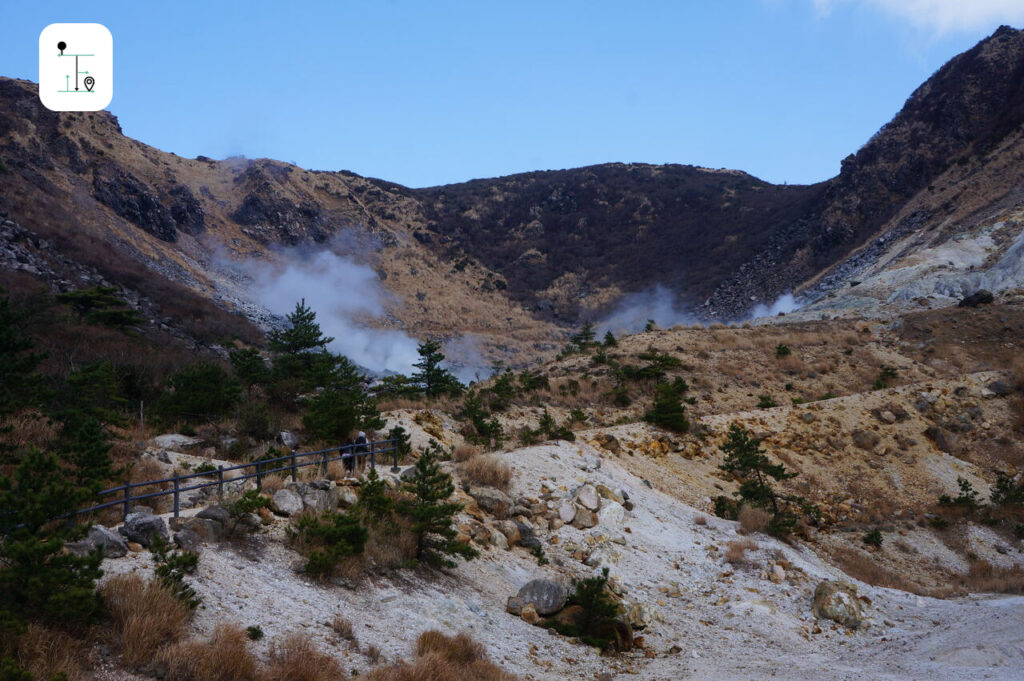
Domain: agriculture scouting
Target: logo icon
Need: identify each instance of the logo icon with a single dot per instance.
(76, 67)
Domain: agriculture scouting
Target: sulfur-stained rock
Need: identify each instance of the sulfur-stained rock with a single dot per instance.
(837, 601)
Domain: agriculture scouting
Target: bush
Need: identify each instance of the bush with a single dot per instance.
(782, 350)
(967, 498)
(200, 392)
(330, 537)
(873, 538)
(596, 622)
(668, 411)
(884, 376)
(171, 568)
(766, 402)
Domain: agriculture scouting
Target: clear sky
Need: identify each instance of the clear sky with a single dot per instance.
(428, 92)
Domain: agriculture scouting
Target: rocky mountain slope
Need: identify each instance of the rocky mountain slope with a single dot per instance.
(512, 260)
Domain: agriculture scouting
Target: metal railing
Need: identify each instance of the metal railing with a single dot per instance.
(290, 463)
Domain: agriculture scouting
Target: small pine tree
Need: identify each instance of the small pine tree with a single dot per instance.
(747, 461)
(375, 503)
(609, 340)
(432, 514)
(432, 378)
(249, 366)
(201, 391)
(668, 411)
(20, 385)
(302, 335)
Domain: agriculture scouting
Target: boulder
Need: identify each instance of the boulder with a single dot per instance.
(346, 496)
(639, 616)
(1001, 388)
(545, 595)
(288, 439)
(286, 502)
(216, 513)
(140, 527)
(207, 530)
(977, 298)
(865, 439)
(189, 540)
(566, 511)
(837, 601)
(491, 500)
(511, 532)
(584, 518)
(605, 492)
(587, 497)
(611, 515)
(608, 442)
(174, 441)
(317, 500)
(110, 543)
(498, 539)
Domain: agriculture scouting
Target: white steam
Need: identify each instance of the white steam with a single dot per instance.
(635, 309)
(784, 304)
(339, 290)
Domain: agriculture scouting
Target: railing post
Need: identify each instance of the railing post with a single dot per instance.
(373, 454)
(127, 498)
(294, 470)
(259, 476)
(323, 465)
(177, 493)
(220, 483)
(394, 446)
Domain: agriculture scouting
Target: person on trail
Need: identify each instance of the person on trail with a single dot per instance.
(360, 448)
(348, 458)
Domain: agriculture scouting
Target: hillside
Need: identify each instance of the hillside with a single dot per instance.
(510, 262)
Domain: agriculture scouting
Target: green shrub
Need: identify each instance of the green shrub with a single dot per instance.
(967, 498)
(431, 514)
(597, 623)
(333, 536)
(668, 411)
(727, 508)
(254, 632)
(884, 376)
(782, 350)
(766, 402)
(171, 567)
(199, 392)
(1006, 493)
(873, 538)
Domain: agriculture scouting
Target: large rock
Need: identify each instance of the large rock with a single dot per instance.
(511, 532)
(587, 497)
(110, 543)
(545, 595)
(491, 500)
(346, 496)
(977, 298)
(584, 518)
(189, 540)
(174, 441)
(288, 439)
(865, 439)
(216, 513)
(606, 492)
(317, 500)
(611, 515)
(566, 511)
(286, 502)
(140, 527)
(837, 601)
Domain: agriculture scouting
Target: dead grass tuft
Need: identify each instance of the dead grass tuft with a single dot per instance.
(443, 658)
(146, 615)
(273, 483)
(465, 452)
(28, 429)
(700, 520)
(861, 565)
(488, 471)
(753, 519)
(343, 628)
(224, 656)
(46, 652)
(297, 659)
(736, 551)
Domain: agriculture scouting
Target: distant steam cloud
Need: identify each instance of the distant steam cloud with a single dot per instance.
(632, 312)
(662, 305)
(338, 289)
(785, 304)
(942, 16)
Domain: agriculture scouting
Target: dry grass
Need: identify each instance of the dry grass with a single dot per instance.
(146, 469)
(983, 577)
(488, 471)
(700, 520)
(736, 551)
(146, 615)
(861, 565)
(273, 483)
(297, 659)
(372, 654)
(28, 429)
(45, 652)
(443, 658)
(753, 519)
(343, 628)
(465, 452)
(224, 656)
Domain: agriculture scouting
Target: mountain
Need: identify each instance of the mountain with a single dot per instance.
(515, 260)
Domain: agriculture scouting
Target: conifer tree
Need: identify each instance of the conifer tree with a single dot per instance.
(668, 411)
(609, 340)
(433, 379)
(432, 514)
(20, 386)
(374, 504)
(301, 349)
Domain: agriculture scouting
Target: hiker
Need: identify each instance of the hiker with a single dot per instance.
(360, 448)
(348, 457)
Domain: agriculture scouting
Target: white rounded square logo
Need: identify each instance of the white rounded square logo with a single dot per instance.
(76, 67)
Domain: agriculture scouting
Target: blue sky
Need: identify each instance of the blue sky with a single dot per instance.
(426, 93)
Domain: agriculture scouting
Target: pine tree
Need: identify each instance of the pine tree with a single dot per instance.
(668, 411)
(249, 366)
(747, 461)
(433, 379)
(20, 385)
(200, 391)
(343, 405)
(609, 340)
(432, 514)
(375, 504)
(38, 581)
(301, 349)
